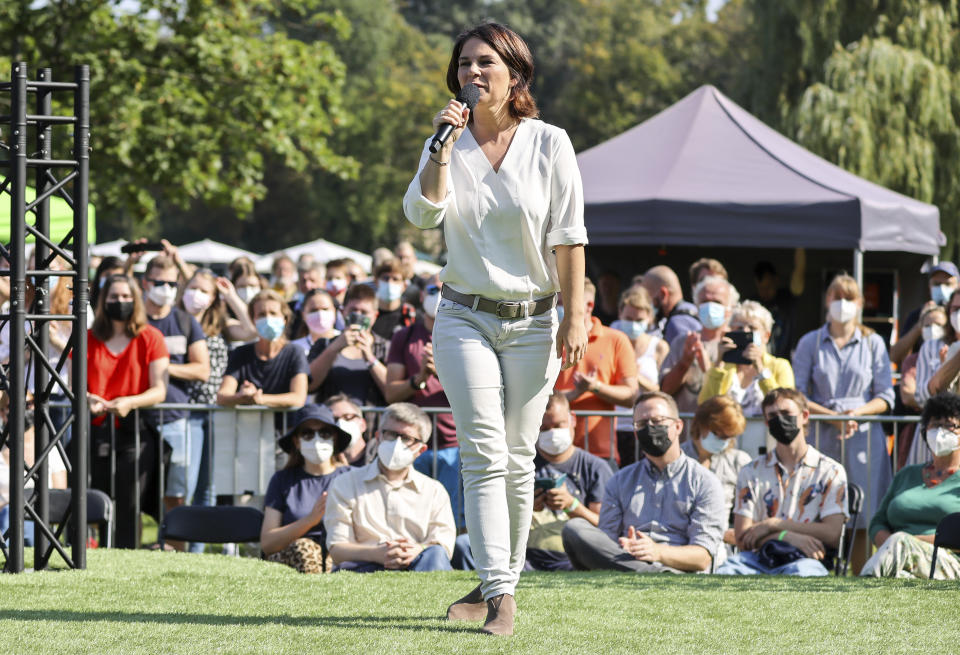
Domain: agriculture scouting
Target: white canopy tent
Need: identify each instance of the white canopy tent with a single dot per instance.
(108, 248)
(208, 251)
(321, 249)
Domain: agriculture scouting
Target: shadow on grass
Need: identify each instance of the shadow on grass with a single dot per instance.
(625, 582)
(414, 623)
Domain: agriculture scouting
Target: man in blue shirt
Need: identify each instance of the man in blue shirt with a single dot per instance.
(663, 513)
(675, 315)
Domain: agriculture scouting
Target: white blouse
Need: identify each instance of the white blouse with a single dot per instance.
(501, 227)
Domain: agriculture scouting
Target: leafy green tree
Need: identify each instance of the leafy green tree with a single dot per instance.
(190, 99)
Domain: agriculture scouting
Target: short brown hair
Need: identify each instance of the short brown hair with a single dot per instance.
(102, 327)
(388, 267)
(721, 413)
(337, 265)
(515, 54)
(658, 395)
(162, 262)
(558, 398)
(360, 292)
(712, 265)
(784, 393)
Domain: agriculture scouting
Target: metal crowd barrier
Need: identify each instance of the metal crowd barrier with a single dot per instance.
(373, 416)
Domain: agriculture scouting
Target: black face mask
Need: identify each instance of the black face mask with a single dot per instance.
(654, 439)
(783, 428)
(119, 310)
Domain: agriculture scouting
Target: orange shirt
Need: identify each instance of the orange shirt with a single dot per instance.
(611, 357)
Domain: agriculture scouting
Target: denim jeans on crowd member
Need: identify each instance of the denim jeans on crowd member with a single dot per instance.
(59, 416)
(497, 374)
(5, 526)
(538, 559)
(204, 495)
(448, 474)
(748, 563)
(432, 558)
(185, 436)
(4, 521)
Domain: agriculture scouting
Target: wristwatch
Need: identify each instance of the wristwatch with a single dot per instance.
(417, 386)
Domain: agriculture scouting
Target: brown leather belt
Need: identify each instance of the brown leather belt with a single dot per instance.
(501, 308)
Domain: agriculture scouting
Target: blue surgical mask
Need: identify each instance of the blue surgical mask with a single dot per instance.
(712, 315)
(713, 444)
(941, 293)
(270, 327)
(389, 291)
(632, 329)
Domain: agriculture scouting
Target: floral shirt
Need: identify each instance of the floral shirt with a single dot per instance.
(814, 490)
(206, 392)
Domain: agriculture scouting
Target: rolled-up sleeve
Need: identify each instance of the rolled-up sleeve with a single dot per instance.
(708, 518)
(338, 516)
(418, 209)
(566, 198)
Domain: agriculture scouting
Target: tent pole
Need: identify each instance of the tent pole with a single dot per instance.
(858, 267)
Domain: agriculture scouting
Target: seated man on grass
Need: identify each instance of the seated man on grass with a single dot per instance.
(792, 503)
(386, 515)
(663, 513)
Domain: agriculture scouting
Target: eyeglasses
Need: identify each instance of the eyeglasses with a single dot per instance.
(657, 420)
(393, 435)
(161, 283)
(310, 435)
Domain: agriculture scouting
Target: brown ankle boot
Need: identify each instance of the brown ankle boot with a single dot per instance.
(500, 612)
(469, 608)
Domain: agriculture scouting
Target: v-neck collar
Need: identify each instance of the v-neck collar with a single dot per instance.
(474, 146)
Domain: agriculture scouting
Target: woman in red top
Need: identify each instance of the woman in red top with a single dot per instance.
(127, 364)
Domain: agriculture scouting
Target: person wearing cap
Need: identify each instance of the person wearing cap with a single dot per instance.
(293, 532)
(387, 515)
(944, 279)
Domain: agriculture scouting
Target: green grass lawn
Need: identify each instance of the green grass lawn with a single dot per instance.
(152, 602)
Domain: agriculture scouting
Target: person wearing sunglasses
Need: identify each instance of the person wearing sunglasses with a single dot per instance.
(386, 515)
(189, 362)
(412, 376)
(296, 499)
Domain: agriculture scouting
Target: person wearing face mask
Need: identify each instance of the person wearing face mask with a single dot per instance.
(296, 498)
(605, 378)
(919, 497)
(189, 362)
(748, 383)
(412, 376)
(693, 354)
(311, 278)
(271, 371)
(392, 313)
(843, 369)
(318, 318)
(663, 513)
(675, 316)
(247, 283)
(387, 515)
(713, 439)
(415, 285)
(918, 371)
(127, 364)
(350, 419)
(338, 280)
(791, 503)
(569, 484)
(635, 319)
(943, 281)
(283, 277)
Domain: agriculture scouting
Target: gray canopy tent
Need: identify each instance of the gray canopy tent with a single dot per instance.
(706, 172)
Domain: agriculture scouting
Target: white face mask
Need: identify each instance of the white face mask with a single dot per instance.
(196, 300)
(317, 450)
(933, 332)
(352, 428)
(336, 284)
(247, 293)
(713, 444)
(555, 441)
(394, 455)
(843, 310)
(430, 304)
(162, 295)
(389, 291)
(942, 441)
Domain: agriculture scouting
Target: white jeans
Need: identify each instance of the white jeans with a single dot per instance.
(497, 374)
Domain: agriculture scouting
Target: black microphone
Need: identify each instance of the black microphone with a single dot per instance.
(468, 96)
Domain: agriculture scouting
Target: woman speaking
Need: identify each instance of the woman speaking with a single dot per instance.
(508, 191)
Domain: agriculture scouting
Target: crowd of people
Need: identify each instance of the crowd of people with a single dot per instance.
(749, 484)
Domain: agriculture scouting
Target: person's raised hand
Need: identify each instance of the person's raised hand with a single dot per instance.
(456, 114)
(225, 286)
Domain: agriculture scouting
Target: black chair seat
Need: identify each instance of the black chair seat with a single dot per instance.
(224, 524)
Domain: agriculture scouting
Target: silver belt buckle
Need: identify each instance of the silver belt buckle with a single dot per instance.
(513, 307)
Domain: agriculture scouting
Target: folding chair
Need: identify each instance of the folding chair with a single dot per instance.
(948, 536)
(99, 511)
(845, 548)
(212, 525)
